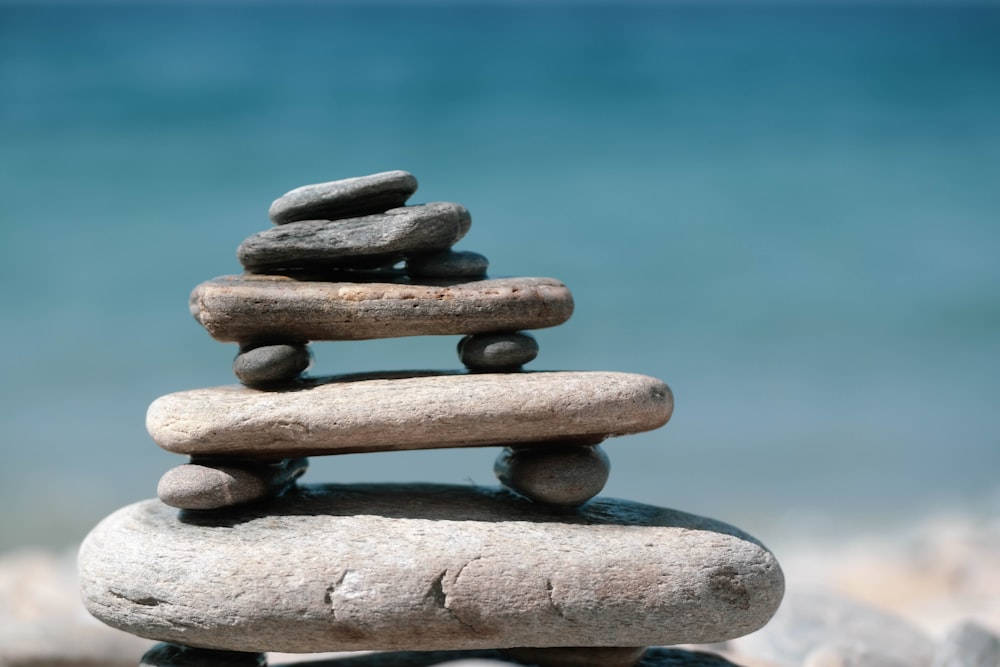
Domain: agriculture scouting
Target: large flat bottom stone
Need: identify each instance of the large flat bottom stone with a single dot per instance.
(396, 411)
(425, 567)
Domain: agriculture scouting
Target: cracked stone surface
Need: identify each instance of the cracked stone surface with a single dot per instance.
(426, 410)
(424, 567)
(249, 307)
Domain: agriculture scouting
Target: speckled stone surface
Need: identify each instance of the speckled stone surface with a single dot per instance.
(385, 412)
(344, 198)
(246, 308)
(425, 567)
(371, 240)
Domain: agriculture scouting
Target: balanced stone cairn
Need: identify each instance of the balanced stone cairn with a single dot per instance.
(236, 559)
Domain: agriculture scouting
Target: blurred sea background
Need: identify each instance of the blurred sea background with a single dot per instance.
(789, 212)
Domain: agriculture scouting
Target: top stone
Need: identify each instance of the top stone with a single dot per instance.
(346, 198)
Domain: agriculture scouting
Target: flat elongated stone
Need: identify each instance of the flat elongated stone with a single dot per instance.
(368, 241)
(346, 414)
(425, 567)
(345, 198)
(247, 308)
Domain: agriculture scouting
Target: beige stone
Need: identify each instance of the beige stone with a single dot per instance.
(246, 308)
(425, 567)
(347, 414)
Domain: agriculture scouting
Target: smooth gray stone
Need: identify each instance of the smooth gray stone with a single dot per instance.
(583, 656)
(387, 412)
(654, 657)
(424, 567)
(369, 241)
(813, 620)
(968, 644)
(269, 364)
(203, 485)
(448, 264)
(497, 351)
(247, 308)
(555, 474)
(172, 655)
(345, 198)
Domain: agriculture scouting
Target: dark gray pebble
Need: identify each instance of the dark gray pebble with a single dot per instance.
(175, 655)
(566, 475)
(205, 484)
(497, 351)
(448, 264)
(346, 198)
(270, 364)
(367, 242)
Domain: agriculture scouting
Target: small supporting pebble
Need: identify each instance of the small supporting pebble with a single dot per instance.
(567, 475)
(346, 198)
(262, 365)
(175, 655)
(583, 656)
(448, 264)
(497, 351)
(201, 485)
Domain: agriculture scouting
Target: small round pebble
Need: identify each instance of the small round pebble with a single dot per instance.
(497, 351)
(346, 198)
(203, 486)
(448, 264)
(583, 656)
(175, 655)
(566, 475)
(270, 364)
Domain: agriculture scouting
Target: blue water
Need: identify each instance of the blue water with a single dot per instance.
(790, 214)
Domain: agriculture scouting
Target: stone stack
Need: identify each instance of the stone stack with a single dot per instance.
(236, 558)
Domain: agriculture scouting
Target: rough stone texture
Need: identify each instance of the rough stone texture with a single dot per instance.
(270, 364)
(345, 198)
(654, 657)
(586, 656)
(424, 567)
(448, 264)
(498, 351)
(372, 240)
(809, 621)
(968, 644)
(559, 475)
(385, 412)
(248, 308)
(208, 486)
(171, 655)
